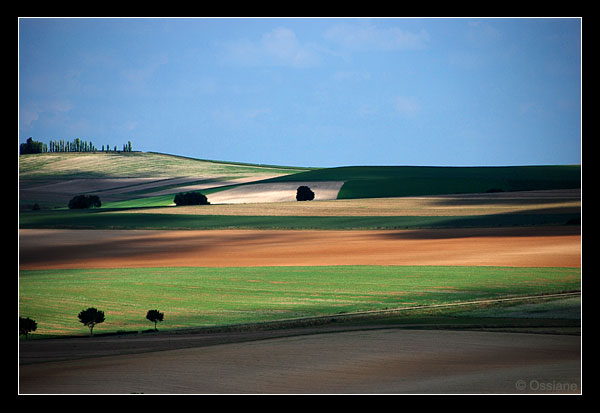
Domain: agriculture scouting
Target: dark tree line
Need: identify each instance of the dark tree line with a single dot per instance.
(85, 201)
(32, 146)
(62, 145)
(89, 318)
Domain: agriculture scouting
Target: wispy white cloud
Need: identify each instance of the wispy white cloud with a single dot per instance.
(467, 59)
(279, 46)
(139, 77)
(256, 112)
(482, 33)
(32, 112)
(365, 36)
(27, 118)
(367, 110)
(130, 125)
(229, 117)
(407, 106)
(343, 76)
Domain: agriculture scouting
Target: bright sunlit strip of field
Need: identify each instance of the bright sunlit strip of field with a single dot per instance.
(202, 296)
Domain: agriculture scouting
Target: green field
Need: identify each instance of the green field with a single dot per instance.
(200, 297)
(98, 219)
(399, 181)
(393, 181)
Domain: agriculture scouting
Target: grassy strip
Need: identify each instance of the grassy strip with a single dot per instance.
(199, 296)
(98, 219)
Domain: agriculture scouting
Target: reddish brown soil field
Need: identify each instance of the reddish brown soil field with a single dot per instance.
(519, 246)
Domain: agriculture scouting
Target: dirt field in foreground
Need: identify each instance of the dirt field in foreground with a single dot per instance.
(352, 362)
(518, 246)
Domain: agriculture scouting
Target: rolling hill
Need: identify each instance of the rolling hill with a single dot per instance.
(138, 183)
(51, 179)
(396, 181)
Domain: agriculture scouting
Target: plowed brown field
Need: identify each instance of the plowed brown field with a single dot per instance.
(558, 246)
(350, 362)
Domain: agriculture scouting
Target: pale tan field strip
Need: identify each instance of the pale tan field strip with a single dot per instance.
(275, 192)
(544, 246)
(376, 361)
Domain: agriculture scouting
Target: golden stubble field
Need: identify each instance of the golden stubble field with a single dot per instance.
(247, 204)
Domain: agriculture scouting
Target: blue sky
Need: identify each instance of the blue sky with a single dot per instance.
(309, 92)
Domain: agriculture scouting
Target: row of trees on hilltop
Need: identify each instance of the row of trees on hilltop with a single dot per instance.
(32, 146)
(62, 145)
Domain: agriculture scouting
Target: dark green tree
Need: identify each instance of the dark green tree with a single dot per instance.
(85, 201)
(31, 146)
(155, 316)
(90, 318)
(26, 326)
(304, 193)
(190, 198)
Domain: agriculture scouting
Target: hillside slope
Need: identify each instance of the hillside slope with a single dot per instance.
(395, 181)
(150, 179)
(72, 165)
(51, 179)
(401, 181)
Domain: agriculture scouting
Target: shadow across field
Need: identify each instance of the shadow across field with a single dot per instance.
(457, 233)
(145, 220)
(50, 248)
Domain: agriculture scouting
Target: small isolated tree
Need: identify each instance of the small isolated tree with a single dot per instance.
(26, 326)
(155, 316)
(85, 201)
(190, 198)
(304, 193)
(91, 317)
